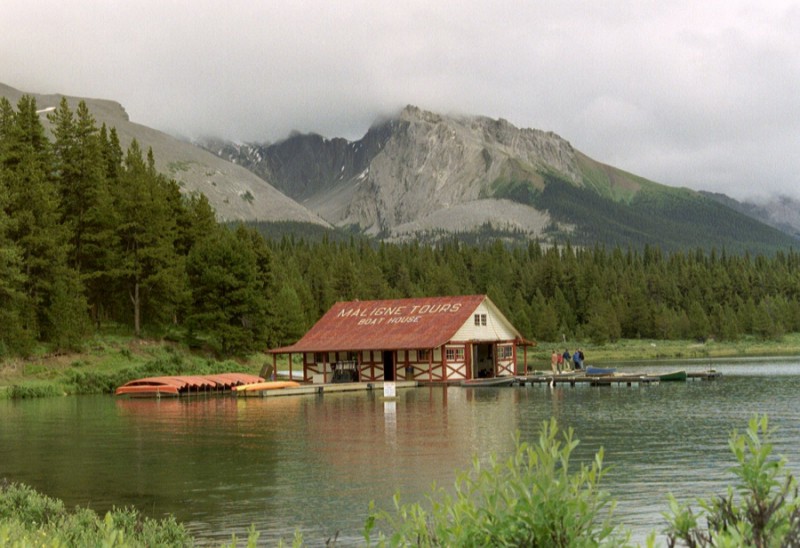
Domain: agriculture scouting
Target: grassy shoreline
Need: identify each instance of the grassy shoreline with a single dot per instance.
(637, 350)
(107, 362)
(112, 359)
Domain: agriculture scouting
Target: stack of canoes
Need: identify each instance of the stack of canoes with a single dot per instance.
(156, 387)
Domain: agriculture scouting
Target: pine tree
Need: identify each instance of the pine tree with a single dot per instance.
(287, 306)
(228, 307)
(545, 322)
(699, 325)
(149, 270)
(51, 286)
(85, 200)
(14, 339)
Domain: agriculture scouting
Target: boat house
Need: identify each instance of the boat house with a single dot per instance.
(435, 339)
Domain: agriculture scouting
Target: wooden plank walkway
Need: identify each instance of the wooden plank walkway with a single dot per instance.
(328, 388)
(574, 378)
(571, 379)
(592, 380)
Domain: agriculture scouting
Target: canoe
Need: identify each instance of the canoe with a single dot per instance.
(267, 385)
(156, 387)
(597, 371)
(673, 376)
(491, 381)
(148, 391)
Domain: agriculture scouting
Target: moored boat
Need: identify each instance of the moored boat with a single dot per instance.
(679, 375)
(267, 385)
(490, 381)
(600, 371)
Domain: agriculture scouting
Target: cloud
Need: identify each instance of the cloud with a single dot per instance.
(700, 94)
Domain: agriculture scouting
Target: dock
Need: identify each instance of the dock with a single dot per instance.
(327, 388)
(591, 380)
(627, 379)
(709, 375)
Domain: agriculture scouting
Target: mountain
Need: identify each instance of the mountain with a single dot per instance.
(781, 212)
(235, 192)
(421, 175)
(425, 176)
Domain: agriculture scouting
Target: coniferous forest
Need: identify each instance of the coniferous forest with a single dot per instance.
(92, 235)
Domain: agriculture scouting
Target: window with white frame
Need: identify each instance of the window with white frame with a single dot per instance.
(454, 354)
(483, 319)
(477, 319)
(505, 352)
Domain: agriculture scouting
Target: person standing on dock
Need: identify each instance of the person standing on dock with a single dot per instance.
(566, 357)
(559, 362)
(554, 362)
(576, 359)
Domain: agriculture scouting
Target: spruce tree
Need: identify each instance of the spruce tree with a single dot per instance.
(86, 207)
(149, 271)
(228, 305)
(56, 306)
(14, 339)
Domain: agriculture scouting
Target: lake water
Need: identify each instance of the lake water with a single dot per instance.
(313, 463)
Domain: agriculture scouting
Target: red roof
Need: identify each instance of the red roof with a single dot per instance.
(387, 325)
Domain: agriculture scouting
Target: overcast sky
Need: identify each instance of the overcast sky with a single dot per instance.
(697, 93)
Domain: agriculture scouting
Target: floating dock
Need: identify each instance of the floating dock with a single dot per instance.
(627, 379)
(328, 388)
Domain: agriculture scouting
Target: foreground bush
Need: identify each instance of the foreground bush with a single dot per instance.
(763, 510)
(531, 499)
(28, 518)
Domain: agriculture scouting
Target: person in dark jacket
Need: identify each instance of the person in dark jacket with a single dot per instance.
(577, 360)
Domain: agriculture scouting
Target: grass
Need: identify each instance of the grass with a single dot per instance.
(633, 350)
(106, 362)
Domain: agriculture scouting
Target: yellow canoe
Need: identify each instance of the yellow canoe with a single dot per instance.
(267, 385)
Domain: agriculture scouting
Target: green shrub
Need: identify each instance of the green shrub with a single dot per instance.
(28, 518)
(762, 510)
(34, 390)
(531, 499)
(91, 382)
(25, 504)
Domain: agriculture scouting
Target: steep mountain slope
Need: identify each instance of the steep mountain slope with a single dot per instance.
(423, 175)
(781, 212)
(235, 192)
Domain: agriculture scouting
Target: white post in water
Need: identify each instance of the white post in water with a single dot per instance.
(390, 413)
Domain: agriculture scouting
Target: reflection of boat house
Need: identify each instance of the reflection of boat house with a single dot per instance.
(427, 339)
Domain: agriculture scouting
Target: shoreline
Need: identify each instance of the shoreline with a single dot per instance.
(108, 360)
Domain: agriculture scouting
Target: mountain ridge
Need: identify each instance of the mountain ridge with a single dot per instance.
(421, 173)
(425, 176)
(234, 192)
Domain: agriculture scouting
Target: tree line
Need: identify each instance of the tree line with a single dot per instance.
(91, 235)
(590, 294)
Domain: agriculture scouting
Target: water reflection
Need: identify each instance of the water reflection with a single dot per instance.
(314, 462)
